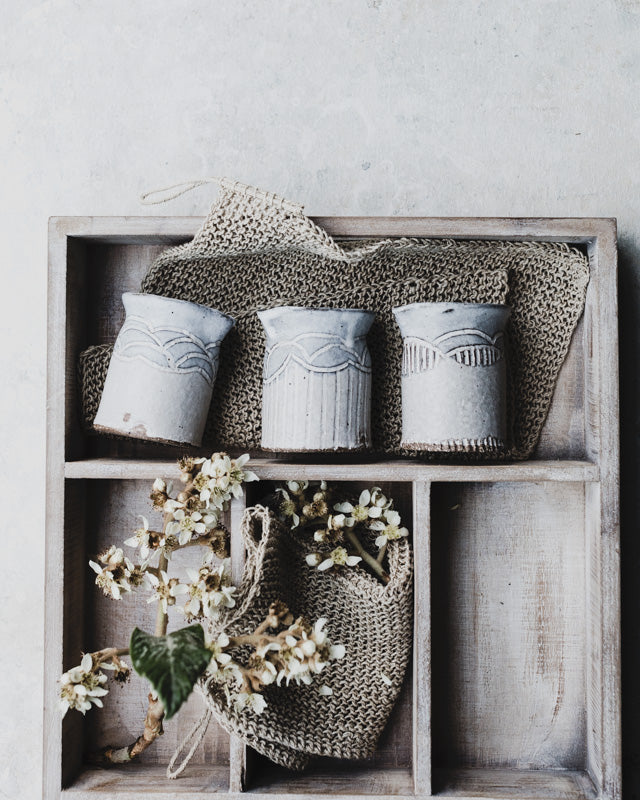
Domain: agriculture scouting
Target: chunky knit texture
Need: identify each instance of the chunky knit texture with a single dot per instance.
(373, 621)
(256, 250)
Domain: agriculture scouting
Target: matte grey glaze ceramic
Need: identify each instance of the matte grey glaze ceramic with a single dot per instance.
(453, 376)
(161, 374)
(317, 379)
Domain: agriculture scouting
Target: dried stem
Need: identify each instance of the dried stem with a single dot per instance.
(155, 710)
(108, 654)
(152, 729)
(161, 618)
(368, 559)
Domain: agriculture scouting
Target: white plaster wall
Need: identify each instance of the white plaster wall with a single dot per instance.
(440, 107)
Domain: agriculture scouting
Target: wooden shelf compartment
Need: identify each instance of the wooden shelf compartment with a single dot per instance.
(100, 513)
(509, 695)
(91, 268)
(515, 580)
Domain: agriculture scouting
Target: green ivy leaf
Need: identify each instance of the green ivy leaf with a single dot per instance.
(172, 664)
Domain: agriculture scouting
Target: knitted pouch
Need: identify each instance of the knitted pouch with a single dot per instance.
(372, 620)
(256, 250)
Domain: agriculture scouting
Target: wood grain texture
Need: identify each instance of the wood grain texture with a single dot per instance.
(422, 638)
(515, 784)
(238, 755)
(54, 518)
(134, 780)
(329, 777)
(508, 609)
(173, 230)
(376, 471)
(74, 635)
(603, 438)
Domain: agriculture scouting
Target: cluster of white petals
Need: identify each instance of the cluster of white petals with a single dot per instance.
(338, 557)
(220, 478)
(340, 530)
(388, 528)
(116, 573)
(166, 590)
(82, 686)
(210, 591)
(296, 653)
(376, 513)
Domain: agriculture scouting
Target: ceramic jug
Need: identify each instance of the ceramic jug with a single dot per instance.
(453, 376)
(316, 380)
(161, 374)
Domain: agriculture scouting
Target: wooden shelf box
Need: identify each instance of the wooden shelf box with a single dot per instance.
(514, 690)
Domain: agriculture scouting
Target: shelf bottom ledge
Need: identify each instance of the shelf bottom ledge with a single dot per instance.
(514, 784)
(198, 781)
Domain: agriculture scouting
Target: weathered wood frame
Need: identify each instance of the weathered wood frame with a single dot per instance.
(598, 471)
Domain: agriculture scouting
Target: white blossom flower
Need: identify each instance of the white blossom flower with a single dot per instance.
(368, 506)
(210, 591)
(172, 505)
(218, 646)
(333, 532)
(264, 649)
(295, 670)
(186, 525)
(222, 668)
(166, 589)
(113, 577)
(288, 508)
(389, 529)
(81, 687)
(221, 478)
(306, 652)
(297, 487)
(160, 486)
(228, 674)
(325, 691)
(252, 701)
(141, 538)
(338, 558)
(239, 475)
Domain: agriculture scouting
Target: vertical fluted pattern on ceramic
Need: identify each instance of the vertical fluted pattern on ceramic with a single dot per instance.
(317, 379)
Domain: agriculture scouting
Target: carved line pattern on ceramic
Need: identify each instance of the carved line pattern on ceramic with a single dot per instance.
(420, 355)
(166, 348)
(317, 353)
(487, 443)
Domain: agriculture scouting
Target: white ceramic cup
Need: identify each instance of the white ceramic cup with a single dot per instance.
(317, 379)
(161, 374)
(453, 376)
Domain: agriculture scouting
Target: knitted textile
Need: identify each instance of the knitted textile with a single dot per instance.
(256, 251)
(372, 620)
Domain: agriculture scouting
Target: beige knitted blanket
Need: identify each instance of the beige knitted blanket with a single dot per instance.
(256, 250)
(372, 620)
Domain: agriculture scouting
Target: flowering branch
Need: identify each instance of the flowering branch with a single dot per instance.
(310, 508)
(280, 649)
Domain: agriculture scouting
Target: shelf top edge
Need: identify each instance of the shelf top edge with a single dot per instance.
(267, 469)
(570, 229)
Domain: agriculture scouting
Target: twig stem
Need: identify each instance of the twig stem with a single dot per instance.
(368, 559)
